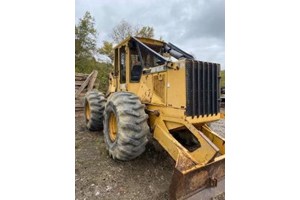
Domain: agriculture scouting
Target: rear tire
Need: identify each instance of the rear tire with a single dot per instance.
(94, 104)
(125, 126)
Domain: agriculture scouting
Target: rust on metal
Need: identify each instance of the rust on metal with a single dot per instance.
(154, 112)
(187, 182)
(183, 163)
(213, 182)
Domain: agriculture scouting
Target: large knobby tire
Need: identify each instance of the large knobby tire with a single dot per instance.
(94, 105)
(125, 126)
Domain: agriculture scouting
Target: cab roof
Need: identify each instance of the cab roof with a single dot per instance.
(147, 41)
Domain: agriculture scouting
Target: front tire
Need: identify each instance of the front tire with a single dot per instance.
(125, 126)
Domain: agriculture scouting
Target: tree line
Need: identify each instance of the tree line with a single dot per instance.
(87, 52)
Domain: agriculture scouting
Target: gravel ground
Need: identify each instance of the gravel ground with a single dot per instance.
(97, 176)
(218, 127)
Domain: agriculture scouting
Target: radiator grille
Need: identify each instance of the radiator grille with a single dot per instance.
(203, 88)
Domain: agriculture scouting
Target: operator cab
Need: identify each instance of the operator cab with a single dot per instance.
(144, 55)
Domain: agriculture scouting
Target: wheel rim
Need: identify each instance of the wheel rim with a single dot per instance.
(87, 111)
(112, 127)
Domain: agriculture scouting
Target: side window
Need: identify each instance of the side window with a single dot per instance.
(150, 60)
(143, 58)
(116, 63)
(122, 65)
(136, 67)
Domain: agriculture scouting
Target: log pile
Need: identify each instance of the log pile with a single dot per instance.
(83, 84)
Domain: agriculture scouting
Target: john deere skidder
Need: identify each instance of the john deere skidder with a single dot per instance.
(157, 88)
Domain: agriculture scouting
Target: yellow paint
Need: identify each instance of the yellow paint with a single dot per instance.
(215, 138)
(176, 92)
(172, 125)
(112, 127)
(147, 41)
(204, 119)
(198, 166)
(165, 92)
(112, 83)
(87, 111)
(202, 155)
(222, 115)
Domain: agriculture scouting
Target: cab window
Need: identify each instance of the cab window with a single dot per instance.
(122, 65)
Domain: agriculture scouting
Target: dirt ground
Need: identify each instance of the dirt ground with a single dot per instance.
(97, 176)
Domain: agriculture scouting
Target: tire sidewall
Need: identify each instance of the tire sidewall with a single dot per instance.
(110, 108)
(91, 124)
(132, 132)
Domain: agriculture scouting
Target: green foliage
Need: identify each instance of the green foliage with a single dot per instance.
(85, 42)
(103, 70)
(223, 78)
(86, 49)
(107, 49)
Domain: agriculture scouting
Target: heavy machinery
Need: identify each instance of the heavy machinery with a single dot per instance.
(158, 89)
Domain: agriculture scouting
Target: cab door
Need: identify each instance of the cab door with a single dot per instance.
(122, 66)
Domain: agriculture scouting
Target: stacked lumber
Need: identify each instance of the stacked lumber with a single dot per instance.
(83, 84)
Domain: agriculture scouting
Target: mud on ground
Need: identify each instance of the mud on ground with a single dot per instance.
(97, 176)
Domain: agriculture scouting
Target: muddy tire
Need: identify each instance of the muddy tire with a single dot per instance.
(125, 126)
(94, 105)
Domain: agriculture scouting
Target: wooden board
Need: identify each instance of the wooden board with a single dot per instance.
(78, 83)
(83, 84)
(81, 74)
(80, 78)
(92, 82)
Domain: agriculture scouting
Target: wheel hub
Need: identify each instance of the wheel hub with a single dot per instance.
(112, 127)
(87, 112)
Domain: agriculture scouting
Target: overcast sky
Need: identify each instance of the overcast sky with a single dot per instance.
(196, 26)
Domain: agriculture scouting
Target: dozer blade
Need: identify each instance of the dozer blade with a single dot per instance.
(199, 182)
